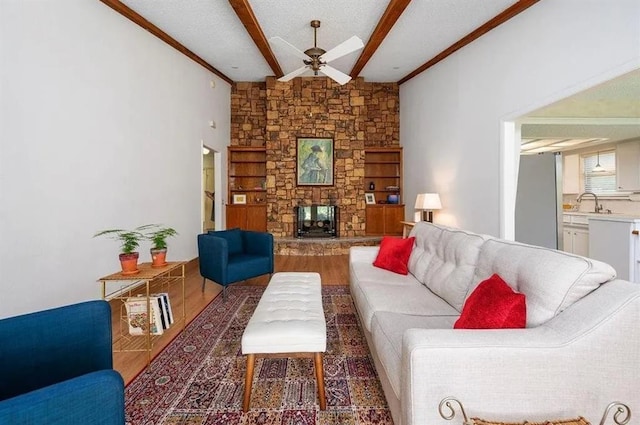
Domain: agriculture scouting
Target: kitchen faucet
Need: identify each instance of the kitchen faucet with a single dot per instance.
(597, 208)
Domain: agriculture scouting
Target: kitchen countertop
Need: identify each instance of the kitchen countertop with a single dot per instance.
(602, 216)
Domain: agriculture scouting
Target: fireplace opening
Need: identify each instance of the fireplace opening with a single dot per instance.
(316, 221)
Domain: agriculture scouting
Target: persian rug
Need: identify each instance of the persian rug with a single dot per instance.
(198, 378)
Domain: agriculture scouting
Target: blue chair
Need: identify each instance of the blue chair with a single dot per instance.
(229, 256)
(56, 367)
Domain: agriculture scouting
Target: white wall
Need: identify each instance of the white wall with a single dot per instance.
(101, 126)
(452, 114)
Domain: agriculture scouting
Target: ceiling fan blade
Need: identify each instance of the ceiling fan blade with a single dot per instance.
(294, 74)
(277, 41)
(338, 76)
(344, 48)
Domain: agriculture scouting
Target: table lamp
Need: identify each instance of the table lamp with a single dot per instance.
(427, 202)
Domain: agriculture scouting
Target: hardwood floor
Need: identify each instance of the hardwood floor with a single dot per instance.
(333, 269)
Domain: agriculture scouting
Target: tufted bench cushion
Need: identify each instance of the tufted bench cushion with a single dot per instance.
(288, 322)
(289, 317)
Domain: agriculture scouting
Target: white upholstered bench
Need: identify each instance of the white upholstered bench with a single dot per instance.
(288, 322)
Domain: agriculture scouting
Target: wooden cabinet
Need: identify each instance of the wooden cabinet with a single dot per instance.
(571, 174)
(628, 166)
(247, 217)
(384, 219)
(383, 178)
(247, 177)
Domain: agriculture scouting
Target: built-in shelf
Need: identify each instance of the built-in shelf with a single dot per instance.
(383, 168)
(247, 175)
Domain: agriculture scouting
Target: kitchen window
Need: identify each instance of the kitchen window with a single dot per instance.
(600, 182)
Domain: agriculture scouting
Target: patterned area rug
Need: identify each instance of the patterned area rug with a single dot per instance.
(199, 378)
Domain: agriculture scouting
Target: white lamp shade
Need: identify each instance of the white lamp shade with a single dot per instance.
(428, 201)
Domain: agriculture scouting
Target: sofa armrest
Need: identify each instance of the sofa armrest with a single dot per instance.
(213, 258)
(259, 243)
(51, 346)
(95, 398)
(573, 365)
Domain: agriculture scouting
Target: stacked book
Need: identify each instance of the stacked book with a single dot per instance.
(161, 317)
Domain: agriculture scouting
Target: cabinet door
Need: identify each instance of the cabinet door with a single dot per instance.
(393, 215)
(256, 218)
(374, 220)
(571, 174)
(628, 166)
(236, 216)
(567, 240)
(581, 242)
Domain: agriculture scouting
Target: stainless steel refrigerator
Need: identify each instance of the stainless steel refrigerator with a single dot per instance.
(538, 218)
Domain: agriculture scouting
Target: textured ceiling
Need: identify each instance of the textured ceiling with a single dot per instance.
(426, 28)
(212, 30)
(618, 98)
(610, 111)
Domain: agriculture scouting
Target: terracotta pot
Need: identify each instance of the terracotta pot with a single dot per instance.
(129, 263)
(158, 257)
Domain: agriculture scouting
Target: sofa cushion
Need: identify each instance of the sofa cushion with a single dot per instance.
(394, 254)
(493, 305)
(444, 260)
(551, 280)
(387, 330)
(401, 297)
(374, 289)
(233, 238)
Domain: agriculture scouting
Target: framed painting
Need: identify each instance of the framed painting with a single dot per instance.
(370, 198)
(314, 161)
(240, 199)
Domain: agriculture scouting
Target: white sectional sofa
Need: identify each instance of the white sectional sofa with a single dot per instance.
(579, 351)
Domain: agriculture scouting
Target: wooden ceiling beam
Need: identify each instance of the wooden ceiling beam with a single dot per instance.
(386, 22)
(248, 19)
(503, 17)
(136, 18)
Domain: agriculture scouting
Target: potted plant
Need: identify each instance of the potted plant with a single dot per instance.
(130, 240)
(158, 237)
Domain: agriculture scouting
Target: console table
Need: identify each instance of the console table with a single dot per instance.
(148, 278)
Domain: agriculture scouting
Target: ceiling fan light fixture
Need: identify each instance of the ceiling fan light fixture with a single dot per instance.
(316, 59)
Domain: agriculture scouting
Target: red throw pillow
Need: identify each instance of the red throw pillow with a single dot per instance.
(394, 254)
(493, 305)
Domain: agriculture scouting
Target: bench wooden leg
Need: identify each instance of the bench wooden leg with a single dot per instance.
(248, 380)
(317, 361)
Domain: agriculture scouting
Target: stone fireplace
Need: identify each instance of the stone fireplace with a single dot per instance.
(357, 116)
(316, 221)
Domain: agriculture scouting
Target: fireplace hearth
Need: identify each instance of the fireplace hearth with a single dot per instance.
(316, 221)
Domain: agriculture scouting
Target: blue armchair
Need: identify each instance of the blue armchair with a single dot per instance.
(56, 367)
(229, 256)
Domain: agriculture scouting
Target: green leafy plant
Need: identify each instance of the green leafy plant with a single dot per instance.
(129, 239)
(158, 236)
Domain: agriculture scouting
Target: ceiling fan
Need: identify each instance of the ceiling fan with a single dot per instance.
(316, 59)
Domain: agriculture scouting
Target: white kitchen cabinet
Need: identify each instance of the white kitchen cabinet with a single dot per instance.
(581, 242)
(576, 240)
(571, 174)
(575, 234)
(567, 240)
(628, 166)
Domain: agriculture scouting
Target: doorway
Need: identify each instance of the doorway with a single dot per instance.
(209, 189)
(600, 113)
